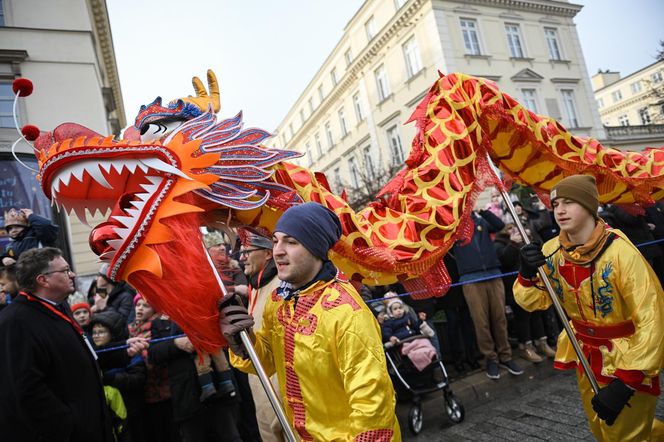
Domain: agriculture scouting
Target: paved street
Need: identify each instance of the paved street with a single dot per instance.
(542, 404)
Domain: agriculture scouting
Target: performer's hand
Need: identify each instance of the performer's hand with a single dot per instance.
(610, 400)
(233, 318)
(530, 258)
(202, 99)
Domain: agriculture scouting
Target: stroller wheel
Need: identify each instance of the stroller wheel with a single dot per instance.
(454, 408)
(415, 419)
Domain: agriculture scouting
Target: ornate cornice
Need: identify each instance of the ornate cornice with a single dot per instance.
(105, 40)
(551, 7)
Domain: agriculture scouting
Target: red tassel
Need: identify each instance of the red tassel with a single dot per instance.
(23, 87)
(30, 132)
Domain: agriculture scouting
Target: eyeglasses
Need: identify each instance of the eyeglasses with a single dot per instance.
(245, 253)
(66, 270)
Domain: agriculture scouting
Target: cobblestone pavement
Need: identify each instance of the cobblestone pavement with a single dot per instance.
(542, 404)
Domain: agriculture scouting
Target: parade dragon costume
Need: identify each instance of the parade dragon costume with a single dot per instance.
(179, 168)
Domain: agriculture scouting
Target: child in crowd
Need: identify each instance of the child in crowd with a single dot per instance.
(27, 230)
(399, 326)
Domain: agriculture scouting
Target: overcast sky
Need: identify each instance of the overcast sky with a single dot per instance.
(265, 52)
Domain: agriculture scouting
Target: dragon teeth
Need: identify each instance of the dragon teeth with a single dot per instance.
(115, 243)
(157, 164)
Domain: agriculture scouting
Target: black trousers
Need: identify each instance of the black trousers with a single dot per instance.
(216, 423)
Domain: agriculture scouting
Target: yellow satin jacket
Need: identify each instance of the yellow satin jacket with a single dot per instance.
(620, 326)
(328, 355)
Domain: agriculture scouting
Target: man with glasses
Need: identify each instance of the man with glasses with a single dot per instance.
(50, 382)
(259, 268)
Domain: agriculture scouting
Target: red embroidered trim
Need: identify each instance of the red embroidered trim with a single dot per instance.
(343, 298)
(526, 282)
(382, 435)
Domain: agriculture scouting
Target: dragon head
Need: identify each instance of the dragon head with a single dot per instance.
(174, 163)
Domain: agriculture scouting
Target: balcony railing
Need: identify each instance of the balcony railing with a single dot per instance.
(623, 132)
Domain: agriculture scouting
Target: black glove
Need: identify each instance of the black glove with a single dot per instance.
(610, 400)
(530, 258)
(233, 318)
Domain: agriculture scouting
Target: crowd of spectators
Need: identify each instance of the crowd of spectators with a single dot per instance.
(169, 392)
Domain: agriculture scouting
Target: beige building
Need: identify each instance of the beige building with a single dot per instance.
(632, 108)
(65, 47)
(351, 116)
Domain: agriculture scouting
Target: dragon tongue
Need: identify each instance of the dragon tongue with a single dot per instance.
(104, 238)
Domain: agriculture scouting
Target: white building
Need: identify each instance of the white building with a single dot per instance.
(65, 47)
(351, 115)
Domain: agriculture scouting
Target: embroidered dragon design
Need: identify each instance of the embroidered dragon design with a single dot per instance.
(178, 168)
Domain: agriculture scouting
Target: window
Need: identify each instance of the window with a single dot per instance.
(333, 76)
(321, 95)
(283, 140)
(348, 55)
(412, 55)
(471, 39)
(382, 83)
(623, 120)
(302, 117)
(2, 15)
(310, 158)
(6, 105)
(395, 145)
(551, 35)
(570, 107)
(354, 173)
(342, 123)
(600, 102)
(636, 87)
(337, 179)
(357, 103)
(370, 28)
(645, 116)
(310, 101)
(514, 40)
(530, 99)
(328, 133)
(616, 95)
(290, 128)
(368, 163)
(656, 77)
(399, 3)
(319, 147)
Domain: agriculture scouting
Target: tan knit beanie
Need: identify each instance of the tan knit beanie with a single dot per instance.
(579, 188)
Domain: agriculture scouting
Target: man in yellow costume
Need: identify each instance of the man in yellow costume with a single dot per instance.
(616, 307)
(319, 337)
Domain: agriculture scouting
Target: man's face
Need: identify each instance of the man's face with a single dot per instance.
(58, 280)
(254, 259)
(82, 317)
(8, 286)
(295, 264)
(15, 231)
(570, 215)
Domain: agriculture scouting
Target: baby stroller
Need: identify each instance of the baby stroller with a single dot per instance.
(420, 383)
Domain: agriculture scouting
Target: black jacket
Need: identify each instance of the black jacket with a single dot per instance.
(50, 384)
(40, 232)
(121, 300)
(479, 255)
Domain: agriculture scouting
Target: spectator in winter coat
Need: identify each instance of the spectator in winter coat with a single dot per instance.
(123, 370)
(27, 230)
(112, 295)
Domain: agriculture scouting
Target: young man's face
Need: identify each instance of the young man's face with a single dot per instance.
(101, 335)
(295, 264)
(82, 317)
(254, 259)
(570, 215)
(144, 311)
(15, 231)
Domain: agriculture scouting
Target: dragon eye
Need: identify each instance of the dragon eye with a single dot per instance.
(158, 129)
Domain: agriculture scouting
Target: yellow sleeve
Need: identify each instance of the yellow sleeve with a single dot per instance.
(644, 300)
(364, 372)
(262, 345)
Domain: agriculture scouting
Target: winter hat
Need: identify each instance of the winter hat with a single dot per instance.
(15, 217)
(255, 237)
(114, 321)
(392, 303)
(579, 188)
(316, 227)
(137, 297)
(79, 306)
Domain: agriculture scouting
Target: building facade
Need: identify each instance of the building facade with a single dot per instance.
(349, 120)
(632, 107)
(65, 47)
